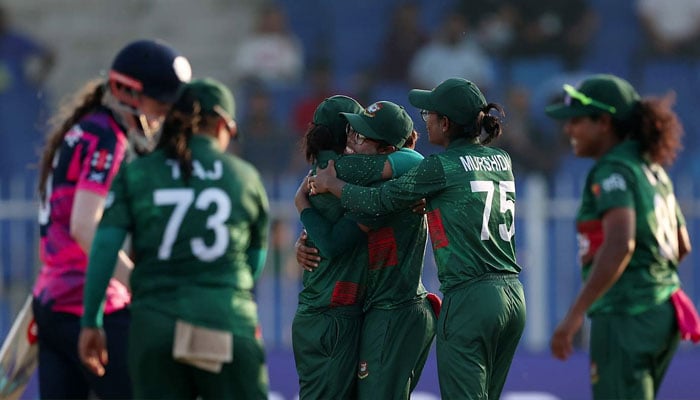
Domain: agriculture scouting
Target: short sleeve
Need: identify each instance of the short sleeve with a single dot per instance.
(613, 186)
(103, 156)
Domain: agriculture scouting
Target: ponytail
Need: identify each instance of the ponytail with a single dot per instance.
(180, 122)
(489, 123)
(485, 122)
(83, 102)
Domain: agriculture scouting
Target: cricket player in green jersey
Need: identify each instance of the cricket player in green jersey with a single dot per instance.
(399, 324)
(343, 245)
(470, 195)
(631, 234)
(199, 220)
(327, 323)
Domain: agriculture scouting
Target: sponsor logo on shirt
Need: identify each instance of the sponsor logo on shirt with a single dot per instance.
(101, 160)
(73, 136)
(614, 182)
(98, 177)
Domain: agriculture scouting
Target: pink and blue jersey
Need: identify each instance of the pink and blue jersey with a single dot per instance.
(88, 159)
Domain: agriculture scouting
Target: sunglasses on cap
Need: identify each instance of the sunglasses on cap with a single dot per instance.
(572, 93)
(356, 136)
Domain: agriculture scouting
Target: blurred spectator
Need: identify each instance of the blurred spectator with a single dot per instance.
(271, 53)
(554, 28)
(262, 140)
(453, 52)
(494, 23)
(672, 28)
(531, 149)
(404, 38)
(24, 66)
(319, 86)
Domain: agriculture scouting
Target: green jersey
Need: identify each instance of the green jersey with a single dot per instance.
(339, 280)
(191, 240)
(470, 191)
(396, 252)
(622, 178)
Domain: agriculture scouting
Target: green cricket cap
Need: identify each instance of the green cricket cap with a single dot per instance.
(213, 97)
(382, 120)
(328, 113)
(458, 99)
(601, 93)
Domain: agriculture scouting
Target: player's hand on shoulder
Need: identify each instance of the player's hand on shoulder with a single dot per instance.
(321, 182)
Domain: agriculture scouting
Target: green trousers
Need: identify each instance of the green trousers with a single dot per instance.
(394, 347)
(630, 354)
(156, 375)
(326, 348)
(479, 329)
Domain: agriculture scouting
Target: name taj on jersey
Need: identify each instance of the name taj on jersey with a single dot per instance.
(198, 170)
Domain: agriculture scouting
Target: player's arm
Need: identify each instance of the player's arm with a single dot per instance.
(259, 233)
(92, 347)
(88, 207)
(609, 263)
(612, 257)
(331, 239)
(394, 195)
(684, 246)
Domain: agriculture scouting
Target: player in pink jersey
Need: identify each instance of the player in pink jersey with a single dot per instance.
(108, 121)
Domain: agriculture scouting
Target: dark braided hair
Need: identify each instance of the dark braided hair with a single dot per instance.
(178, 126)
(85, 101)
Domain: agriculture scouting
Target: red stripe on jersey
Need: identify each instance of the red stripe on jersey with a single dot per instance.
(437, 230)
(590, 237)
(74, 169)
(381, 246)
(102, 161)
(344, 294)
